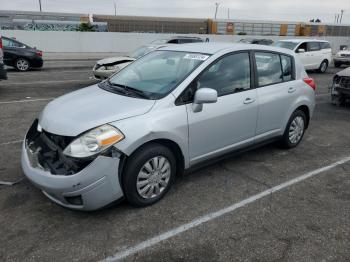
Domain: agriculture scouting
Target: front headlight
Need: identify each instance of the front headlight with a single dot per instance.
(94, 141)
(338, 54)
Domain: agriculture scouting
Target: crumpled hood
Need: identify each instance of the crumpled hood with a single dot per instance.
(345, 72)
(79, 111)
(113, 60)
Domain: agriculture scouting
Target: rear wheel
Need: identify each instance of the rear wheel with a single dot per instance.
(323, 66)
(295, 129)
(149, 175)
(22, 64)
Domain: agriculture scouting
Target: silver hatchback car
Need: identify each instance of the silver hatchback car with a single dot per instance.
(168, 111)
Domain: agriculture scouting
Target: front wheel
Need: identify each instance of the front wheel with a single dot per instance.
(22, 64)
(323, 67)
(149, 174)
(295, 130)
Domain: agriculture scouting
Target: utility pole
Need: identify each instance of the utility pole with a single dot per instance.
(228, 13)
(216, 9)
(40, 6)
(115, 8)
(341, 15)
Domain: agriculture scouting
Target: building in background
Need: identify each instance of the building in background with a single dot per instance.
(45, 21)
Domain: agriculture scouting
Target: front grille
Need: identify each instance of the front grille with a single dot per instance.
(345, 55)
(344, 82)
(49, 152)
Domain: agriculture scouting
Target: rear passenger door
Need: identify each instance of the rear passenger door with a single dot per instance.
(316, 57)
(277, 90)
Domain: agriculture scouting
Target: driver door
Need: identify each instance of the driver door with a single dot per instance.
(231, 121)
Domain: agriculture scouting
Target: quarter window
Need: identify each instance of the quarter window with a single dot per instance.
(268, 68)
(287, 67)
(228, 75)
(313, 46)
(325, 45)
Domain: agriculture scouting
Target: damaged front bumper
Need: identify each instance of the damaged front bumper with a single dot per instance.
(92, 187)
(101, 73)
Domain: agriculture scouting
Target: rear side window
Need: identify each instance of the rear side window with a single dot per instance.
(325, 45)
(268, 68)
(313, 46)
(10, 43)
(287, 67)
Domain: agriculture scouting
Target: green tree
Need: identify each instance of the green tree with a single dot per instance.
(86, 27)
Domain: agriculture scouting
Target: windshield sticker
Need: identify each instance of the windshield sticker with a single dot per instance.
(196, 57)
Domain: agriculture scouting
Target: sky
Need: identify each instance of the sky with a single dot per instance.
(279, 10)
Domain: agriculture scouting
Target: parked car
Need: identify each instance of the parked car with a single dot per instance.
(256, 41)
(340, 90)
(342, 58)
(3, 73)
(178, 40)
(106, 67)
(169, 111)
(314, 54)
(21, 56)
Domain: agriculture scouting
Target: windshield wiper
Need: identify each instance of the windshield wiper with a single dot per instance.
(128, 90)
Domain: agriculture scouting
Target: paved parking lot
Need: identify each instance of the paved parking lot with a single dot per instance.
(216, 213)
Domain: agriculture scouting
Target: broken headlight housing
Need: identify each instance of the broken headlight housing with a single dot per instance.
(112, 67)
(94, 141)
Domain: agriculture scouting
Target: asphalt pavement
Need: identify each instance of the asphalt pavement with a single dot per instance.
(228, 211)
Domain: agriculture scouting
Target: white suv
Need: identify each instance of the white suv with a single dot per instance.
(314, 54)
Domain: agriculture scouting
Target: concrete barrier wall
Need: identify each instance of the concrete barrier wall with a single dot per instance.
(95, 42)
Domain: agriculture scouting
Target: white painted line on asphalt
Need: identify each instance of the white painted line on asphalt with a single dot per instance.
(206, 218)
(25, 100)
(11, 142)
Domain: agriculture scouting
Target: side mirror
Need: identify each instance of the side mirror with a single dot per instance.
(204, 96)
(301, 50)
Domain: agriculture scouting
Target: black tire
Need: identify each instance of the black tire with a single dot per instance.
(337, 65)
(133, 167)
(285, 141)
(323, 67)
(22, 64)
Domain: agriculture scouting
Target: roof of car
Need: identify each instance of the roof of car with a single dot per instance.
(297, 40)
(215, 47)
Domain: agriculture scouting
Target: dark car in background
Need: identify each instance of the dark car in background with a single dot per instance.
(256, 41)
(21, 56)
(3, 74)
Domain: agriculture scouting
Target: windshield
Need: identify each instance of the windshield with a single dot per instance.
(142, 51)
(286, 44)
(157, 73)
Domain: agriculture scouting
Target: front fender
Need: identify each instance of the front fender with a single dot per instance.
(167, 123)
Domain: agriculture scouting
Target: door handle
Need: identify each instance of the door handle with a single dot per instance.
(292, 90)
(248, 101)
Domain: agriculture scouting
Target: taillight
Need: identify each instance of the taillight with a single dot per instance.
(39, 53)
(0, 43)
(310, 81)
